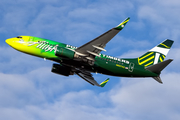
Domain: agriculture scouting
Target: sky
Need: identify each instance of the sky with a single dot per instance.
(29, 91)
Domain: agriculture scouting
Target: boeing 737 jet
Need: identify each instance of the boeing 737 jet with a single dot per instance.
(87, 59)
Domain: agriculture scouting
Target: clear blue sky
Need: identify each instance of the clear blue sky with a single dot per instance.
(29, 91)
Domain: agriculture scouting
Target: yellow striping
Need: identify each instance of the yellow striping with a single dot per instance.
(165, 45)
(120, 66)
(163, 56)
(105, 81)
(148, 64)
(123, 22)
(160, 59)
(146, 60)
(146, 56)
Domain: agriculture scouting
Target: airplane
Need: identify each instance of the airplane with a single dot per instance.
(87, 59)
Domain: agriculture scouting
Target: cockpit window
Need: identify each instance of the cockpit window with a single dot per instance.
(19, 37)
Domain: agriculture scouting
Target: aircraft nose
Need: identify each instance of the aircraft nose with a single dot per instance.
(9, 41)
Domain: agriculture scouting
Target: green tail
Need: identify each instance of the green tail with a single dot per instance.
(156, 54)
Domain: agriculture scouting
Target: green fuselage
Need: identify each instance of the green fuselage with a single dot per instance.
(103, 64)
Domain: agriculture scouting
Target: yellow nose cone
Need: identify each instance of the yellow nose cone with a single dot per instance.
(9, 41)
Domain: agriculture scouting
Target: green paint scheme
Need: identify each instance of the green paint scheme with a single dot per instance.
(121, 25)
(104, 83)
(72, 61)
(104, 64)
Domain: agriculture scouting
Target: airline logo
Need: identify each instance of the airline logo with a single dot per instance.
(156, 54)
(44, 45)
(151, 58)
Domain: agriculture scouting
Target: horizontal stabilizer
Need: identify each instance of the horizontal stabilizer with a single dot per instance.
(157, 68)
(158, 79)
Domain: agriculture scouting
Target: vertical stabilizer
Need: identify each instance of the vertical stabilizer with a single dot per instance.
(156, 54)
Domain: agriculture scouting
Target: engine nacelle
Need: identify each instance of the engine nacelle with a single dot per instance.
(64, 52)
(62, 70)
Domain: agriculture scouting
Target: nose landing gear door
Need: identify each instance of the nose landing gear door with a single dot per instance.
(131, 67)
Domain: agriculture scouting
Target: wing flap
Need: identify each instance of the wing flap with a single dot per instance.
(88, 79)
(87, 76)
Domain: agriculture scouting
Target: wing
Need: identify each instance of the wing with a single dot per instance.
(92, 49)
(87, 76)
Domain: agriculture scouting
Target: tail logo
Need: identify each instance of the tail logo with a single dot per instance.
(150, 58)
(156, 54)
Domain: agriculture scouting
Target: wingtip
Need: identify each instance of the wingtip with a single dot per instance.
(122, 24)
(166, 44)
(104, 83)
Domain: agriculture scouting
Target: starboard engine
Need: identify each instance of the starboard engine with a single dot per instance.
(62, 70)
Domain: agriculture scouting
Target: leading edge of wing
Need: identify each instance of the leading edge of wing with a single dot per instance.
(101, 41)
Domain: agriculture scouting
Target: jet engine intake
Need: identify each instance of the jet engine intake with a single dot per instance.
(62, 70)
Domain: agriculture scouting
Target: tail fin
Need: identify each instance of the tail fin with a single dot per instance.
(156, 54)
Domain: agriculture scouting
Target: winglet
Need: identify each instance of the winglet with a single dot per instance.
(104, 83)
(121, 25)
